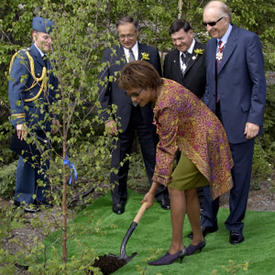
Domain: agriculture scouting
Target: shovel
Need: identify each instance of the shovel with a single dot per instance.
(127, 236)
(110, 263)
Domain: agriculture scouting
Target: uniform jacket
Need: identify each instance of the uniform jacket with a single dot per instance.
(110, 93)
(28, 102)
(195, 76)
(240, 82)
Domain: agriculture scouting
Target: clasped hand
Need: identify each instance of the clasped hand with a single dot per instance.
(22, 131)
(111, 127)
(149, 198)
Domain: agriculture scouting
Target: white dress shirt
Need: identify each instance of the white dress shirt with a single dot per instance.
(135, 52)
(190, 50)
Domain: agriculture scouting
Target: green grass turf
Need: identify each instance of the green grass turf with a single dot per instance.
(152, 236)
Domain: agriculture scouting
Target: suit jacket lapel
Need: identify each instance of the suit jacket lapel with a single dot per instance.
(211, 55)
(229, 47)
(121, 56)
(193, 59)
(176, 61)
(140, 51)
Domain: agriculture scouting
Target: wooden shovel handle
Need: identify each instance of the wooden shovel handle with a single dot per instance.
(141, 211)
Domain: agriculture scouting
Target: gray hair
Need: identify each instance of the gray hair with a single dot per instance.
(127, 19)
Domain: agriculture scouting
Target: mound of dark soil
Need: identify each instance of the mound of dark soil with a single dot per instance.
(108, 264)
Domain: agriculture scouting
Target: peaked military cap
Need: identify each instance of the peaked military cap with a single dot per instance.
(41, 24)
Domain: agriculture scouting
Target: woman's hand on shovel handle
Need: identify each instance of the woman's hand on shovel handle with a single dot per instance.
(148, 199)
(150, 196)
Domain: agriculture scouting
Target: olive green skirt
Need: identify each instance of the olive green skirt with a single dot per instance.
(186, 175)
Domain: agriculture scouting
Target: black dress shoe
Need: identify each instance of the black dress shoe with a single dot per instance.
(118, 208)
(164, 203)
(16, 203)
(236, 237)
(27, 207)
(205, 231)
(44, 203)
(31, 208)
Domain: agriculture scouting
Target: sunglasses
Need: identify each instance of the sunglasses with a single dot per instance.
(212, 24)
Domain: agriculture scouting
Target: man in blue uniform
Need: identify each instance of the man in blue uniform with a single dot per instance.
(31, 91)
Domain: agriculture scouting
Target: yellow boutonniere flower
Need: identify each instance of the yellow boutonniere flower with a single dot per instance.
(198, 51)
(145, 56)
(245, 267)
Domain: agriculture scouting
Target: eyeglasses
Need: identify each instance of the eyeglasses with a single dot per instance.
(129, 36)
(136, 94)
(212, 24)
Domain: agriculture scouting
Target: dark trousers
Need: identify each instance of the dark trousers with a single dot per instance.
(147, 139)
(242, 155)
(31, 178)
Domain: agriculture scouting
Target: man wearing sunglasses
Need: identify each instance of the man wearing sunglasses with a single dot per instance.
(129, 117)
(235, 91)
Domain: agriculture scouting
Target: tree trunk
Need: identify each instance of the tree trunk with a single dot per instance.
(180, 4)
(64, 207)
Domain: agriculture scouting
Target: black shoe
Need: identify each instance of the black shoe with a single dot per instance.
(236, 237)
(31, 208)
(46, 204)
(16, 203)
(28, 208)
(164, 203)
(205, 231)
(119, 208)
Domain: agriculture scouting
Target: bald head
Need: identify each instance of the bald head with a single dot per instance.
(222, 7)
(216, 18)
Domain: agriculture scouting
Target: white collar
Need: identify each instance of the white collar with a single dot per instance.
(41, 53)
(226, 35)
(191, 48)
(134, 49)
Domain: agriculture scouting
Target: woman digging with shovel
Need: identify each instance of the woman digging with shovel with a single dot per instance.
(185, 125)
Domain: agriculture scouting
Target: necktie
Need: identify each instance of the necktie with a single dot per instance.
(219, 54)
(185, 57)
(131, 56)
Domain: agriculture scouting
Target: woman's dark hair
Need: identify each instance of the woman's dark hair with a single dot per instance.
(178, 25)
(139, 74)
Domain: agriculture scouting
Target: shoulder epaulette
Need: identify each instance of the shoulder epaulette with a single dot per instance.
(32, 72)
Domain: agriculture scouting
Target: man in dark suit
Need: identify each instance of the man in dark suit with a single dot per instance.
(32, 89)
(235, 91)
(128, 118)
(186, 64)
